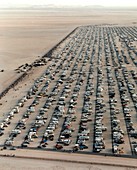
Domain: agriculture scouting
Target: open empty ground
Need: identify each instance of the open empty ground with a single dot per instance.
(64, 161)
(88, 83)
(26, 34)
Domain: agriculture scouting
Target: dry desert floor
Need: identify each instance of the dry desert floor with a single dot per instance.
(26, 35)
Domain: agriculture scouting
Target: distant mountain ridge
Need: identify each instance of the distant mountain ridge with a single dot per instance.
(53, 6)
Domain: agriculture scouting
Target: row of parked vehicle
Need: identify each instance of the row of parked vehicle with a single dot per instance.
(100, 110)
(88, 68)
(117, 131)
(127, 90)
(36, 93)
(67, 128)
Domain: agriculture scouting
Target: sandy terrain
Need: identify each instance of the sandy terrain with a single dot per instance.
(25, 35)
(29, 164)
(41, 160)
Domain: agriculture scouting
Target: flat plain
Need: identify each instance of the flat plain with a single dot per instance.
(25, 36)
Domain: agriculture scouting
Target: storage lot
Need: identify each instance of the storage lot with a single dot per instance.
(85, 99)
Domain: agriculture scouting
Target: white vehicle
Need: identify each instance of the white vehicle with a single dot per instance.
(16, 131)
(49, 131)
(117, 135)
(99, 139)
(115, 149)
(40, 122)
(9, 142)
(135, 150)
(11, 114)
(83, 137)
(31, 110)
(62, 98)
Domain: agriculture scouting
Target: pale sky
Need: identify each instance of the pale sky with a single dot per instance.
(4, 3)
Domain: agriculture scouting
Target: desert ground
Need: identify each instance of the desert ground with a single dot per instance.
(64, 161)
(26, 35)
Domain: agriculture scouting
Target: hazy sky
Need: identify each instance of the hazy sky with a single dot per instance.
(69, 2)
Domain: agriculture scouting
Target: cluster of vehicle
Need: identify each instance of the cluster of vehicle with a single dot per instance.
(84, 72)
(127, 91)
